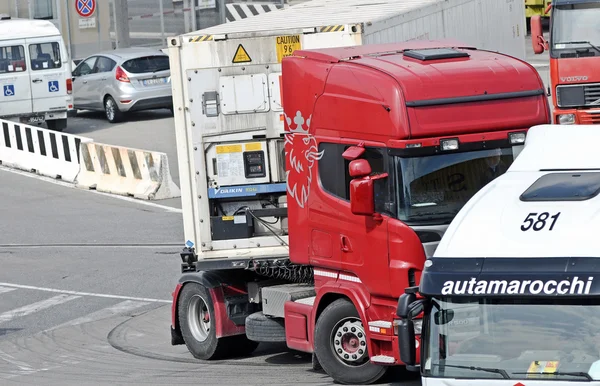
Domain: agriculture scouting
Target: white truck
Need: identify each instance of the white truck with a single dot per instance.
(35, 73)
(511, 296)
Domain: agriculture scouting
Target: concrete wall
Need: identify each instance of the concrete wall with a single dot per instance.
(80, 42)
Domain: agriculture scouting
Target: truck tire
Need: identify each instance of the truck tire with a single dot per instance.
(57, 124)
(260, 328)
(341, 345)
(111, 110)
(196, 318)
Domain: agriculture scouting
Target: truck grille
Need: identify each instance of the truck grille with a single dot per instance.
(589, 119)
(578, 96)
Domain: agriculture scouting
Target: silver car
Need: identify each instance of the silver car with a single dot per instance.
(123, 80)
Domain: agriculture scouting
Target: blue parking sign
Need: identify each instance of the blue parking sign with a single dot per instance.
(9, 90)
(53, 86)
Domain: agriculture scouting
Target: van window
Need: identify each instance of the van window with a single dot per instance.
(45, 56)
(12, 59)
(147, 64)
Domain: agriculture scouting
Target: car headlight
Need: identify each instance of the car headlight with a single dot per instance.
(566, 119)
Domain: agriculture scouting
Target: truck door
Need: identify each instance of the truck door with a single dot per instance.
(364, 240)
(48, 65)
(354, 243)
(15, 92)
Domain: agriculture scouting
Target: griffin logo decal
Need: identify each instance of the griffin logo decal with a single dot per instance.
(301, 152)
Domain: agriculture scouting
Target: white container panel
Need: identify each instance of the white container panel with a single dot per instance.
(495, 25)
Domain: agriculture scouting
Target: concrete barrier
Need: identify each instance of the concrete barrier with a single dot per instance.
(125, 171)
(41, 151)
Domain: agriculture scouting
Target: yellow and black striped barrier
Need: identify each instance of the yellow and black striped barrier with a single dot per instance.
(333, 28)
(202, 38)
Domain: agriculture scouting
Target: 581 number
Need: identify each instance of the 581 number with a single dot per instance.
(537, 222)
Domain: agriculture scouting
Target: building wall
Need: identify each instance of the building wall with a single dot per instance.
(80, 42)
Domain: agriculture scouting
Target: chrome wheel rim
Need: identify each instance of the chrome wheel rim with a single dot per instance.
(110, 109)
(198, 317)
(349, 342)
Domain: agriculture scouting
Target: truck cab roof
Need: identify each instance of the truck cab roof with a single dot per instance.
(545, 205)
(420, 66)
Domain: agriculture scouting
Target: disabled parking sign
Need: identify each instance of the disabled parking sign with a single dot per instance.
(9, 90)
(53, 86)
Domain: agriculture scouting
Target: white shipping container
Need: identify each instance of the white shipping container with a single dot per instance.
(496, 25)
(227, 97)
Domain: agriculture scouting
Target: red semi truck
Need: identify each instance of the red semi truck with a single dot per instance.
(383, 145)
(574, 49)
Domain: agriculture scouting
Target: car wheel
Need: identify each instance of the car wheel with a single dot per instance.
(113, 114)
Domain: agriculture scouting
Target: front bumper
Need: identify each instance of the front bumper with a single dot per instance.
(577, 117)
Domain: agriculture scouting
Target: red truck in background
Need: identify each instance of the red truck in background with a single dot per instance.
(574, 49)
(383, 146)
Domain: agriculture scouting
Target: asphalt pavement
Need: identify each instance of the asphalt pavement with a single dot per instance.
(85, 291)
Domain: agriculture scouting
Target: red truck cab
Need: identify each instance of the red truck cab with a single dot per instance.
(384, 144)
(574, 49)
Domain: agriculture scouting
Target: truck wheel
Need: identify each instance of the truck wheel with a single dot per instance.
(196, 318)
(113, 114)
(57, 124)
(260, 328)
(341, 345)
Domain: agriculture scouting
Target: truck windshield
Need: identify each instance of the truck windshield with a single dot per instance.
(512, 338)
(575, 26)
(435, 188)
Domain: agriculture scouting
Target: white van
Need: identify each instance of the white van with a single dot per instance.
(35, 73)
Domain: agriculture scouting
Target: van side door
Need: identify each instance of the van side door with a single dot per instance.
(15, 86)
(49, 71)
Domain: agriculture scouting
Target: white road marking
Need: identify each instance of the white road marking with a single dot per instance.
(72, 186)
(34, 307)
(83, 293)
(4, 290)
(104, 313)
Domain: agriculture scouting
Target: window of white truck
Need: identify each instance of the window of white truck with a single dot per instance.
(514, 338)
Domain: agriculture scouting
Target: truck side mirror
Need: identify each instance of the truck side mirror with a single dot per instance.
(408, 309)
(362, 192)
(537, 35)
(362, 187)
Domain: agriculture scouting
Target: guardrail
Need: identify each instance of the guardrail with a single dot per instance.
(41, 151)
(126, 171)
(119, 170)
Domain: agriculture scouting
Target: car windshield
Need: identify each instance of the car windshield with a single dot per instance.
(434, 188)
(513, 338)
(575, 26)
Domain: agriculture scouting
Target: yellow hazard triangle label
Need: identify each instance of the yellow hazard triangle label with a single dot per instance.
(241, 55)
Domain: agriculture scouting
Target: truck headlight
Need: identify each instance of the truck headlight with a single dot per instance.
(517, 138)
(449, 144)
(566, 119)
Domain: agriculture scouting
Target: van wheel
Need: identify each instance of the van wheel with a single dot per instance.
(341, 345)
(113, 114)
(57, 124)
(196, 318)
